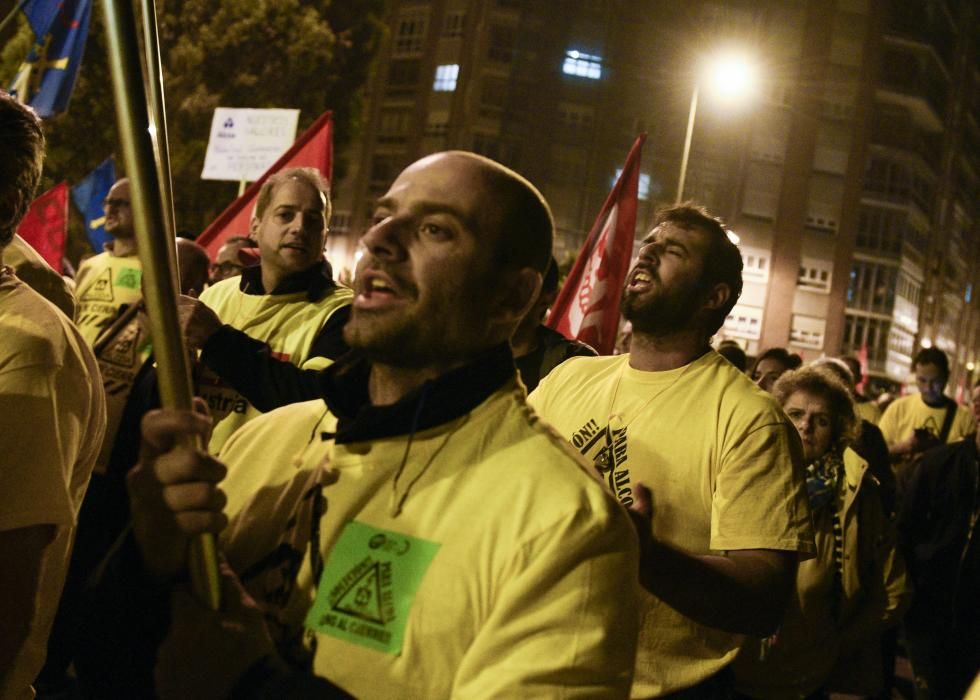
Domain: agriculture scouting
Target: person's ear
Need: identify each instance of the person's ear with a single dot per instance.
(253, 228)
(717, 296)
(518, 292)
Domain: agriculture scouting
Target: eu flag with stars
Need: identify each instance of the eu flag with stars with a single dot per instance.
(88, 196)
(46, 78)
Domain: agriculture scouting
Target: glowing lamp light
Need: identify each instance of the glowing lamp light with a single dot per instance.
(731, 76)
(926, 343)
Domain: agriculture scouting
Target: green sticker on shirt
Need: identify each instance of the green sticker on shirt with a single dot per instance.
(129, 277)
(368, 586)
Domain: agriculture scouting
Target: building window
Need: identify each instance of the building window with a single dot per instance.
(872, 287)
(807, 332)
(583, 65)
(446, 77)
(568, 164)
(403, 75)
(340, 222)
(384, 169)
(881, 230)
(815, 275)
(452, 28)
(642, 185)
(769, 138)
(486, 145)
(832, 148)
(575, 116)
(410, 33)
(501, 49)
(871, 333)
(493, 93)
(755, 264)
(744, 322)
(895, 182)
(437, 124)
(762, 183)
(823, 203)
(394, 125)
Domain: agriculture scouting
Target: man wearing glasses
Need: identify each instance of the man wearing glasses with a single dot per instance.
(112, 278)
(227, 262)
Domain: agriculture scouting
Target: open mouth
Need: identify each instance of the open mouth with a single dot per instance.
(374, 291)
(640, 280)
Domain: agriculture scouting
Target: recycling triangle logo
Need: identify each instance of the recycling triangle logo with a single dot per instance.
(362, 598)
(101, 288)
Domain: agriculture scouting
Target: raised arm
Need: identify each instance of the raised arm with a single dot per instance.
(249, 366)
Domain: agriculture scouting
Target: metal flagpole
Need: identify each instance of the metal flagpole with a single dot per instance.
(157, 249)
(687, 145)
(13, 13)
(158, 117)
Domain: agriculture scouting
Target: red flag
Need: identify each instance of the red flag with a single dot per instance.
(46, 225)
(862, 356)
(313, 149)
(587, 307)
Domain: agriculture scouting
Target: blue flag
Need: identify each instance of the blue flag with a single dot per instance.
(88, 196)
(46, 78)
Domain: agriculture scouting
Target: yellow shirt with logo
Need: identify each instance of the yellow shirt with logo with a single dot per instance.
(724, 466)
(909, 413)
(476, 559)
(288, 323)
(103, 284)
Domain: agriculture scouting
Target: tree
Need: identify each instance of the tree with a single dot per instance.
(310, 55)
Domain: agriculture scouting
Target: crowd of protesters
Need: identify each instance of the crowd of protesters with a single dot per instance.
(419, 491)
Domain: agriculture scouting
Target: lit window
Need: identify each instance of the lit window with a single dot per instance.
(642, 186)
(583, 65)
(446, 78)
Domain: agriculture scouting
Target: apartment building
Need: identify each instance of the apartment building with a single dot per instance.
(850, 174)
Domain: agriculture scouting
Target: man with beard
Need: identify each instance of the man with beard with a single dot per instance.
(417, 532)
(674, 428)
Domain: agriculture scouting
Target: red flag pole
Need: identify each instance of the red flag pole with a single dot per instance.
(578, 297)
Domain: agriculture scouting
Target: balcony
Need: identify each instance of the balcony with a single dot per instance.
(915, 82)
(923, 23)
(889, 131)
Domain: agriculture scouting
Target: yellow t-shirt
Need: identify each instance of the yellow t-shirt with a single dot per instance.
(724, 466)
(289, 323)
(477, 559)
(867, 410)
(908, 413)
(52, 418)
(34, 271)
(103, 284)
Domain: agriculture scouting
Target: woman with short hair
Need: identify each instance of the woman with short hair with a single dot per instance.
(855, 586)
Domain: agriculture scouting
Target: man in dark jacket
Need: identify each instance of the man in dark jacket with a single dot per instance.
(937, 532)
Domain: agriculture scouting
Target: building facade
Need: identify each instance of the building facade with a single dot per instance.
(850, 175)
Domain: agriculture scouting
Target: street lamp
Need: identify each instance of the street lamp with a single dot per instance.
(729, 76)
